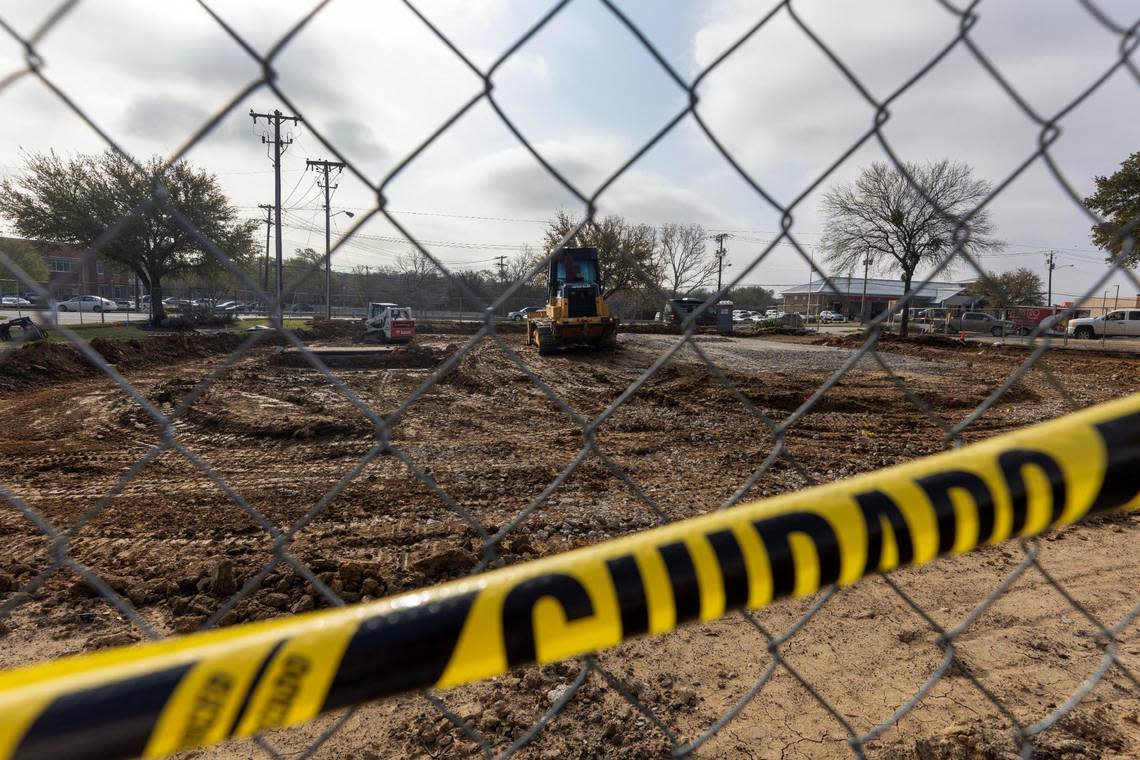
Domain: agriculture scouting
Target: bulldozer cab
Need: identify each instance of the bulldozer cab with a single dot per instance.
(574, 266)
(574, 280)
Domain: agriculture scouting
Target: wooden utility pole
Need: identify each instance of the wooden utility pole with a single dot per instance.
(325, 166)
(867, 261)
(1050, 257)
(268, 227)
(279, 147)
(720, 254)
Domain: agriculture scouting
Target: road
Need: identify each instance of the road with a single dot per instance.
(1116, 344)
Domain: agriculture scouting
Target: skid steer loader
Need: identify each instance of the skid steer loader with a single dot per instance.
(388, 323)
(575, 313)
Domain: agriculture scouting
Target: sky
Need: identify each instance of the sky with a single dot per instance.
(374, 80)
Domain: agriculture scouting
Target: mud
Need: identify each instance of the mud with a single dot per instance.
(177, 546)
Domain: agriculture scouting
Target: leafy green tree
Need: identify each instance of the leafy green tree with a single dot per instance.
(1117, 199)
(752, 297)
(1021, 287)
(883, 217)
(76, 200)
(611, 236)
(25, 255)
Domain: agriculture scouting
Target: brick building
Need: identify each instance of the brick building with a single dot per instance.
(847, 296)
(69, 275)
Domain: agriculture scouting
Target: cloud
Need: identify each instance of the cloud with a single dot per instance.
(355, 140)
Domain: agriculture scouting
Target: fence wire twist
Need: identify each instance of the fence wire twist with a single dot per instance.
(1107, 633)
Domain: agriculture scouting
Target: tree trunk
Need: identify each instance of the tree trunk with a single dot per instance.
(157, 308)
(904, 326)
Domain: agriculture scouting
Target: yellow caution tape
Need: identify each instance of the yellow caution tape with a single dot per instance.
(159, 698)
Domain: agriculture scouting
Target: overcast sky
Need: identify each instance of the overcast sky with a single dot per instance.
(375, 81)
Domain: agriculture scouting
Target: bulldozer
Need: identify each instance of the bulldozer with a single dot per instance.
(575, 313)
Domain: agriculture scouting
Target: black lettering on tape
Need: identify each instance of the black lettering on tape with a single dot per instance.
(876, 508)
(938, 487)
(284, 690)
(1013, 464)
(518, 611)
(683, 581)
(399, 651)
(630, 591)
(775, 531)
(733, 569)
(208, 704)
(1121, 483)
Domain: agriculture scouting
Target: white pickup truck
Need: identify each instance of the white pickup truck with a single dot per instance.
(1123, 322)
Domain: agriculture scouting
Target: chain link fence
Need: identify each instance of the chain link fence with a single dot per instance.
(641, 699)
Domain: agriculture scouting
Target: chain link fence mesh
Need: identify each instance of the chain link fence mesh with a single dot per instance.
(617, 701)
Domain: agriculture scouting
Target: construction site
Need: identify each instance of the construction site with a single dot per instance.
(479, 447)
(569, 381)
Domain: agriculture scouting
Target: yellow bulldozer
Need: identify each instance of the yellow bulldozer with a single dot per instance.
(575, 313)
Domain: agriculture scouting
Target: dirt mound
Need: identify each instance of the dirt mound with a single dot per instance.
(325, 329)
(45, 363)
(482, 369)
(1082, 735)
(466, 328)
(365, 357)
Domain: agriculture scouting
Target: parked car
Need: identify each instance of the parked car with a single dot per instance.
(980, 322)
(300, 308)
(1122, 322)
(14, 301)
(524, 312)
(831, 316)
(87, 303)
(230, 306)
(124, 303)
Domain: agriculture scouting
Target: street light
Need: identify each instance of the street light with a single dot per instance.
(328, 263)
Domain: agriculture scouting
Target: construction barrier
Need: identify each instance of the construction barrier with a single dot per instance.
(158, 698)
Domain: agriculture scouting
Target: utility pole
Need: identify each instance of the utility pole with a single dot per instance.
(278, 148)
(720, 254)
(867, 261)
(1049, 258)
(502, 262)
(325, 166)
(268, 227)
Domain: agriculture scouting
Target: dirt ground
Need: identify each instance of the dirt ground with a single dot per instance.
(178, 547)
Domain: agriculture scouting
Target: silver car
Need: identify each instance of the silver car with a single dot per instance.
(524, 313)
(88, 303)
(980, 322)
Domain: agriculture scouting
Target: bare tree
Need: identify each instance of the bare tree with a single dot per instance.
(884, 217)
(521, 266)
(684, 259)
(416, 270)
(613, 237)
